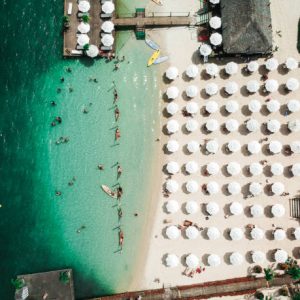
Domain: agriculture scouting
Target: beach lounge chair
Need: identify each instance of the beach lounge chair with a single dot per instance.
(79, 47)
(70, 6)
(80, 14)
(104, 48)
(77, 52)
(106, 16)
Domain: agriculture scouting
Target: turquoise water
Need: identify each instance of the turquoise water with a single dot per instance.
(38, 230)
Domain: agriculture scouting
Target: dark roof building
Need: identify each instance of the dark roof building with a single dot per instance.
(246, 26)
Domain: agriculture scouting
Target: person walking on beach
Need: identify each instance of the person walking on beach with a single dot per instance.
(117, 113)
(119, 170)
(115, 96)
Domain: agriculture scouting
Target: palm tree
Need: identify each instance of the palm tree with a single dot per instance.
(85, 18)
(64, 277)
(18, 283)
(86, 47)
(294, 271)
(269, 275)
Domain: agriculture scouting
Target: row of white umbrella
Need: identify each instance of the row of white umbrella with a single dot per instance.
(214, 260)
(108, 7)
(212, 146)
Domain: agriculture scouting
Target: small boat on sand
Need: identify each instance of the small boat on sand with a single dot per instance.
(108, 191)
(153, 58)
(158, 2)
(160, 60)
(152, 44)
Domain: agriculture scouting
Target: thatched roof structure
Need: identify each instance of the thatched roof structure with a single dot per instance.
(246, 26)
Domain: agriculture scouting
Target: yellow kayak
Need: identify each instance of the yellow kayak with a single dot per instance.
(153, 57)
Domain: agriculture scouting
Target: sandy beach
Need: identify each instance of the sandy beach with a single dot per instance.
(181, 45)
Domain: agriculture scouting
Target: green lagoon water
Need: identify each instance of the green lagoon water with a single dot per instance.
(38, 228)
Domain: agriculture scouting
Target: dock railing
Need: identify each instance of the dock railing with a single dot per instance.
(155, 14)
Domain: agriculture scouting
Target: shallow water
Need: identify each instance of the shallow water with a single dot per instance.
(38, 230)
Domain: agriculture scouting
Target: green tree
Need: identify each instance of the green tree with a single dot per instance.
(85, 18)
(269, 274)
(64, 277)
(18, 283)
(86, 47)
(294, 272)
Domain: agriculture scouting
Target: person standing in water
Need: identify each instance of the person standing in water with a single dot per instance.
(119, 170)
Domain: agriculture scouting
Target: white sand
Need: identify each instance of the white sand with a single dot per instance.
(181, 46)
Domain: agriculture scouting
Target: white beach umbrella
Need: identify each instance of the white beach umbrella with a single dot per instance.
(192, 167)
(231, 87)
(192, 186)
(191, 125)
(234, 146)
(257, 233)
(172, 261)
(216, 39)
(232, 125)
(233, 168)
(172, 206)
(214, 260)
(254, 106)
(297, 233)
(211, 88)
(277, 188)
(83, 39)
(292, 84)
(254, 147)
(212, 69)
(172, 232)
(108, 7)
(213, 233)
(172, 92)
(271, 85)
(258, 257)
(296, 169)
(252, 125)
(84, 27)
(234, 188)
(193, 146)
(255, 168)
(192, 107)
(212, 125)
(291, 63)
(173, 167)
(277, 169)
(192, 261)
(211, 107)
(279, 234)
(256, 210)
(93, 51)
(212, 187)
(231, 68)
(252, 86)
(172, 73)
(172, 108)
(192, 71)
(214, 1)
(273, 106)
(212, 168)
(84, 6)
(192, 232)
(255, 188)
(172, 146)
(212, 208)
(215, 22)
(172, 186)
(205, 50)
(294, 126)
(278, 210)
(212, 146)
(191, 207)
(236, 208)
(236, 259)
(107, 40)
(275, 147)
(295, 147)
(172, 126)
(231, 106)
(273, 126)
(280, 256)
(236, 234)
(108, 26)
(271, 64)
(252, 66)
(293, 105)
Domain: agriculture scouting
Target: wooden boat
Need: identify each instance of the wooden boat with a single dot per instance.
(108, 191)
(153, 58)
(158, 2)
(152, 44)
(160, 60)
